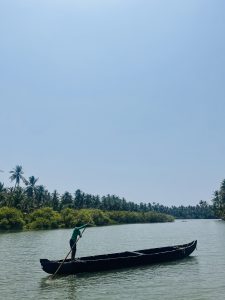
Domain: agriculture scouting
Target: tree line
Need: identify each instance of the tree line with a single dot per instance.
(32, 196)
(219, 201)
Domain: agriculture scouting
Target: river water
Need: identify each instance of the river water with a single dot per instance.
(199, 277)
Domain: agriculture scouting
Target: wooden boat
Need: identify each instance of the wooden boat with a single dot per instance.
(119, 260)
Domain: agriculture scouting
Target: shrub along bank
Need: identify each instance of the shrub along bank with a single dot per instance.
(47, 218)
(11, 218)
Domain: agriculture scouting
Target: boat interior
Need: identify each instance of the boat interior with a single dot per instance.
(131, 253)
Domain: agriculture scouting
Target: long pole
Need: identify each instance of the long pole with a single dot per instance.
(52, 276)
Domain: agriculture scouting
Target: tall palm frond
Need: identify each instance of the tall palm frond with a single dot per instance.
(17, 175)
(2, 189)
(31, 188)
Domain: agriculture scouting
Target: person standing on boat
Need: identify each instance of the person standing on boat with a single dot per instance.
(73, 240)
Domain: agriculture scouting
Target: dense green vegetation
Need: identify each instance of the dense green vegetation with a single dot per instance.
(219, 201)
(200, 211)
(38, 208)
(47, 218)
(11, 218)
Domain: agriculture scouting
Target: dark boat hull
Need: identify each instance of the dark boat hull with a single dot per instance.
(119, 260)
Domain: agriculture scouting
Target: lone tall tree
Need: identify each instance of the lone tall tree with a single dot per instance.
(17, 175)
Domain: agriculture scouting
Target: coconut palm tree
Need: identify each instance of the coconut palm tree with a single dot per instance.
(2, 194)
(40, 193)
(17, 175)
(66, 200)
(55, 200)
(2, 189)
(31, 188)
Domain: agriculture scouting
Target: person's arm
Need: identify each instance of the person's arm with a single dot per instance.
(81, 227)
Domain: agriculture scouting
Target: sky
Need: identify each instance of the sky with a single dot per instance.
(123, 97)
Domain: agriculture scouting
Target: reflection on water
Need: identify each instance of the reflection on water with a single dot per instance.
(110, 280)
(200, 276)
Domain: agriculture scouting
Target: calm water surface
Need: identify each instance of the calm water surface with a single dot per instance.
(200, 277)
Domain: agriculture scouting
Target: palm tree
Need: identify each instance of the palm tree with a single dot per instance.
(2, 189)
(17, 175)
(31, 188)
(66, 200)
(55, 200)
(2, 194)
(40, 194)
(79, 199)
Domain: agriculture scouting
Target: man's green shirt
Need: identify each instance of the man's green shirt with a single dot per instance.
(77, 232)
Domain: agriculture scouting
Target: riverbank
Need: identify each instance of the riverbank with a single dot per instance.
(47, 218)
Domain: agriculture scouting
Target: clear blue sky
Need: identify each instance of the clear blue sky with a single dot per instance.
(122, 97)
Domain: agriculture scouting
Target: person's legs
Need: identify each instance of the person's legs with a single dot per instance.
(74, 248)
